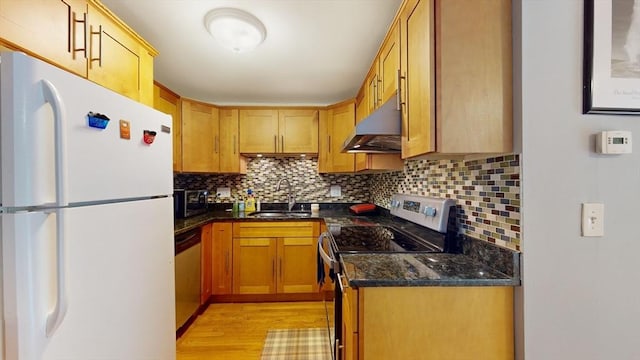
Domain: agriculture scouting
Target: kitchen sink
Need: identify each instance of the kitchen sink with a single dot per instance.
(280, 214)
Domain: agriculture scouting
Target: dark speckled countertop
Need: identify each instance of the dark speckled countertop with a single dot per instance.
(331, 214)
(420, 269)
(475, 263)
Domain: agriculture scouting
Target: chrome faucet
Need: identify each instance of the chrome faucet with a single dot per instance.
(291, 199)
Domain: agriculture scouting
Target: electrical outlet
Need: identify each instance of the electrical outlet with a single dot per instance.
(223, 192)
(336, 191)
(592, 219)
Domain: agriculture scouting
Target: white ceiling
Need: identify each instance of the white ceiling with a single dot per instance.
(317, 52)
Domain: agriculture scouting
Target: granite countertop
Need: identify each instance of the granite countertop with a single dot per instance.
(474, 263)
(338, 215)
(421, 269)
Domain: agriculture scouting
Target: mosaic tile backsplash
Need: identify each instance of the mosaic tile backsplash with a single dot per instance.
(487, 193)
(263, 175)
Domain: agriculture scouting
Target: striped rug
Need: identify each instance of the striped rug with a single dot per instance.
(297, 344)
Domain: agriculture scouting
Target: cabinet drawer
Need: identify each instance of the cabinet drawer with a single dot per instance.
(276, 229)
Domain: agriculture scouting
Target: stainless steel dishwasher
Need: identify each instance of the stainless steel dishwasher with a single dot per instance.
(187, 263)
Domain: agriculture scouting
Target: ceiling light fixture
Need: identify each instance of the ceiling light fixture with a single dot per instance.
(235, 29)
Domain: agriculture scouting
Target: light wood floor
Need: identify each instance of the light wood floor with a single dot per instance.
(237, 331)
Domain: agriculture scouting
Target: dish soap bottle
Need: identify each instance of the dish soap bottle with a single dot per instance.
(250, 203)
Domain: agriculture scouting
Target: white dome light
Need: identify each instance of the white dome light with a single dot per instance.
(235, 29)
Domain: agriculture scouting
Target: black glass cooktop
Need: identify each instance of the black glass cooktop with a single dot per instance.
(378, 238)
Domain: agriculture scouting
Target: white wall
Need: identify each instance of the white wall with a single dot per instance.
(581, 295)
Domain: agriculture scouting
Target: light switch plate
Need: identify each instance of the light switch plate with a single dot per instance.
(223, 192)
(336, 191)
(592, 219)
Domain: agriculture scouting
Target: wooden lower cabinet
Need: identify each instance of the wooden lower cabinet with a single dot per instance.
(275, 257)
(433, 321)
(221, 269)
(206, 257)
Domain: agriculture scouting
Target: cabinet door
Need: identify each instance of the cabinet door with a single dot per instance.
(200, 150)
(341, 125)
(349, 339)
(113, 56)
(258, 131)
(417, 66)
(389, 65)
(221, 276)
(297, 266)
(373, 97)
(298, 131)
(169, 103)
(361, 113)
(206, 257)
(474, 104)
(53, 30)
(254, 265)
(230, 161)
(324, 141)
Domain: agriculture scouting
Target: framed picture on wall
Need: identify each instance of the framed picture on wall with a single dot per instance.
(611, 57)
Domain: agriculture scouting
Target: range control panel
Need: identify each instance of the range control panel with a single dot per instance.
(430, 212)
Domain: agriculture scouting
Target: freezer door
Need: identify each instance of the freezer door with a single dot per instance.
(51, 154)
(118, 277)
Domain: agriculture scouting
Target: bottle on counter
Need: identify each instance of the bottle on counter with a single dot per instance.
(235, 207)
(241, 205)
(250, 203)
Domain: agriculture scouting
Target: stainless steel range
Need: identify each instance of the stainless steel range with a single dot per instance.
(417, 224)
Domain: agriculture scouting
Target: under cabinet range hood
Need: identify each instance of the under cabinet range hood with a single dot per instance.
(378, 132)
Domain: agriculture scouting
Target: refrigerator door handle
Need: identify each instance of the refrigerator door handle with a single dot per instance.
(55, 317)
(52, 96)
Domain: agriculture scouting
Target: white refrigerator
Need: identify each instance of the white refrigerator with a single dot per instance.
(87, 219)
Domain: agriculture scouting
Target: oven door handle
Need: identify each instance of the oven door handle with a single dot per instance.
(325, 257)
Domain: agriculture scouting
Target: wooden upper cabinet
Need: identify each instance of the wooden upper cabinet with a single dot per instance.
(298, 131)
(456, 89)
(84, 37)
(200, 137)
(230, 159)
(389, 65)
(168, 102)
(278, 131)
(258, 131)
(474, 103)
(418, 70)
(53, 30)
(373, 93)
(335, 125)
(114, 59)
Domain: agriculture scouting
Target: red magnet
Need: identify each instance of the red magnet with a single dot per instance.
(149, 136)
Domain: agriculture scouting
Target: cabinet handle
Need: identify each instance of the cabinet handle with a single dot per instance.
(342, 287)
(99, 33)
(379, 89)
(275, 143)
(73, 37)
(234, 144)
(329, 143)
(399, 102)
(338, 346)
(215, 144)
(282, 143)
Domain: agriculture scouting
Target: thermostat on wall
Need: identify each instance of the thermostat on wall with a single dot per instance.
(613, 142)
